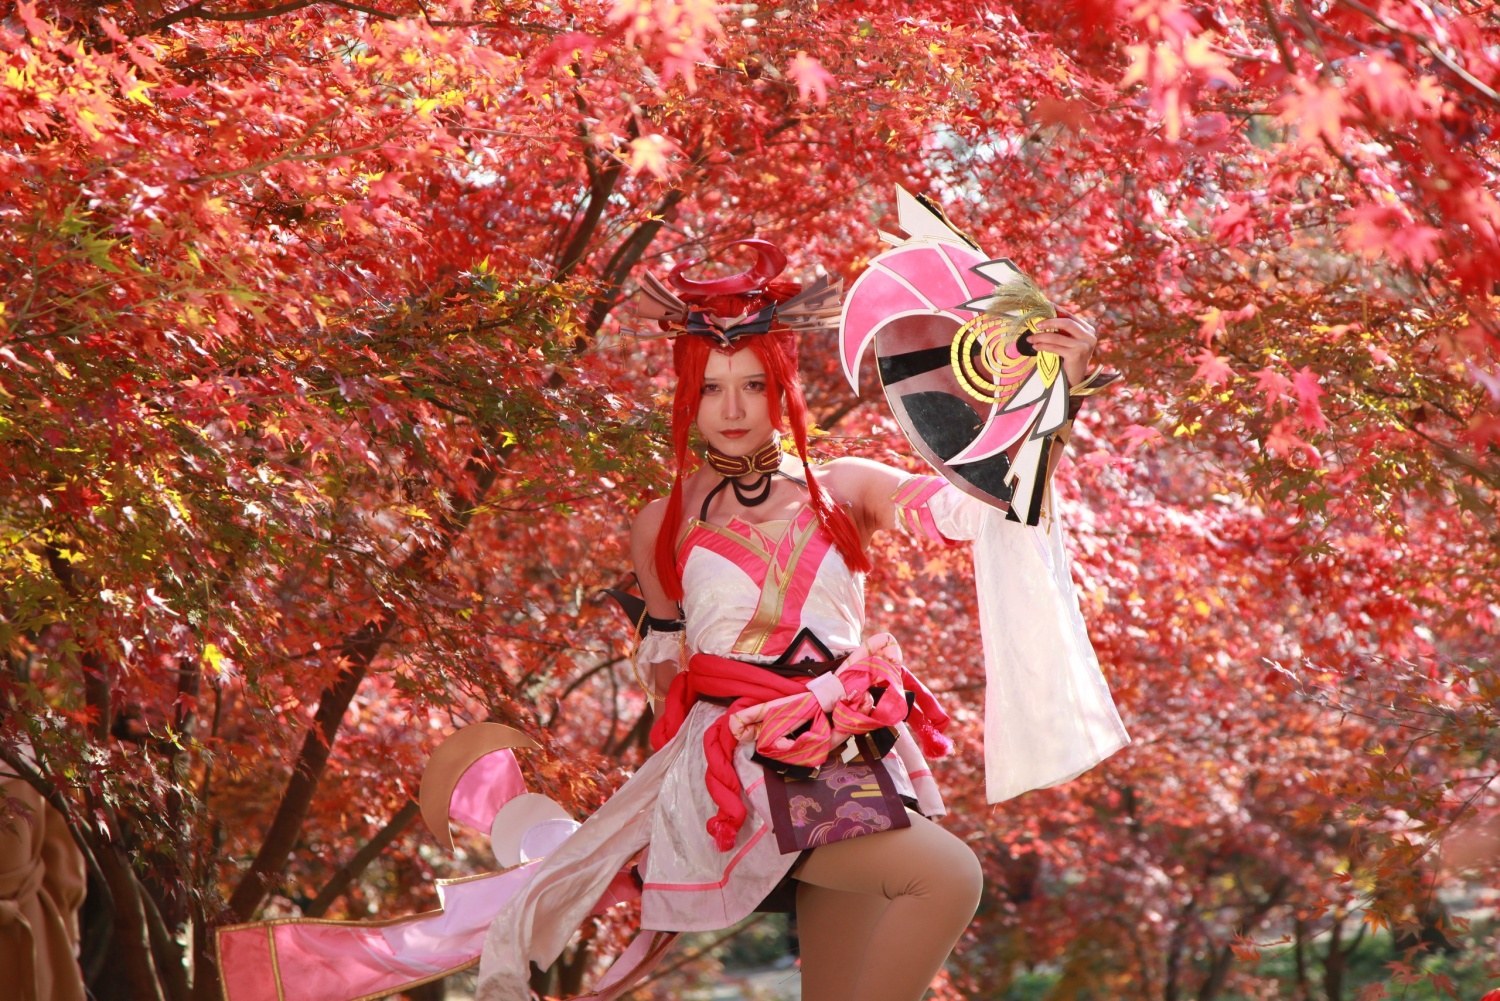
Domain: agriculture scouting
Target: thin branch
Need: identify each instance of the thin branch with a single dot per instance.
(351, 870)
(578, 681)
(700, 953)
(196, 10)
(293, 158)
(1429, 47)
(1280, 39)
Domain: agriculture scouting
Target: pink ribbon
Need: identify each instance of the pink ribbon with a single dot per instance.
(834, 708)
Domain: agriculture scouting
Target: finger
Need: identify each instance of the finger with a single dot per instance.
(1072, 325)
(1062, 344)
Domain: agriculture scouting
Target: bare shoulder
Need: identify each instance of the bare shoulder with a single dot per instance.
(647, 524)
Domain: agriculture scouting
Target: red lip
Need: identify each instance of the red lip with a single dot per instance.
(734, 434)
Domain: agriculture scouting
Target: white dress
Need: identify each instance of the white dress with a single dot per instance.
(749, 591)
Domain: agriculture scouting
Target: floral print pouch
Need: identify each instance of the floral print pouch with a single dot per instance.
(844, 799)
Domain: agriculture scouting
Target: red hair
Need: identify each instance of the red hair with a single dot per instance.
(777, 352)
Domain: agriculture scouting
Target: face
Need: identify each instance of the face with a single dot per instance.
(734, 416)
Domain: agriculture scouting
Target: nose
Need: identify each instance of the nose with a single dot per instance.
(734, 403)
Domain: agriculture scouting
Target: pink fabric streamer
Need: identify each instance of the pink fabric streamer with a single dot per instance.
(308, 959)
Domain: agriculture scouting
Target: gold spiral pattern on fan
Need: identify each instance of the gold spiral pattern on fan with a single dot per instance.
(996, 333)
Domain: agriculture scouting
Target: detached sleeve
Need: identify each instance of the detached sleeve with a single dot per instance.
(1048, 714)
(929, 507)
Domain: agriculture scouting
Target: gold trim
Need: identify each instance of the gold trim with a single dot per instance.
(447, 764)
(728, 533)
(275, 964)
(474, 878)
(767, 617)
(385, 993)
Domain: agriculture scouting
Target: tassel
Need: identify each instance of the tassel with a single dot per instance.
(1018, 299)
(724, 831)
(934, 743)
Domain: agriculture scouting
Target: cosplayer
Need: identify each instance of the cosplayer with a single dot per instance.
(790, 746)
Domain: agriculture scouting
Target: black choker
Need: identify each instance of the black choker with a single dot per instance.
(749, 496)
(765, 460)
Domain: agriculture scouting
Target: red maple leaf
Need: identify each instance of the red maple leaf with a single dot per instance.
(1308, 389)
(1274, 385)
(1387, 230)
(1212, 369)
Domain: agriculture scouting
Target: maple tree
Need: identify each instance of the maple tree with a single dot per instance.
(320, 429)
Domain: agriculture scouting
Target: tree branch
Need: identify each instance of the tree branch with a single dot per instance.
(626, 256)
(601, 186)
(358, 651)
(701, 952)
(292, 158)
(1427, 46)
(196, 10)
(369, 852)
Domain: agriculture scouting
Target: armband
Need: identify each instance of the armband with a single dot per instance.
(913, 508)
(1092, 383)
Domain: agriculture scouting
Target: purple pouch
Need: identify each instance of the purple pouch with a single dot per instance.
(845, 799)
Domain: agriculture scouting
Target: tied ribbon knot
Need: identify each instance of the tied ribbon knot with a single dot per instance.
(867, 692)
(864, 694)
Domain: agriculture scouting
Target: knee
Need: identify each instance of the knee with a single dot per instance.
(950, 873)
(964, 878)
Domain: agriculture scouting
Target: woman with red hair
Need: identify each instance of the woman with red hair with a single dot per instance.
(751, 599)
(791, 747)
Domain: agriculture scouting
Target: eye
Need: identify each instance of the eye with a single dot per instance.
(756, 385)
(709, 388)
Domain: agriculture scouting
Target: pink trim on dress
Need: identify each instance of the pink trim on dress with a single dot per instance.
(681, 887)
(731, 546)
(801, 554)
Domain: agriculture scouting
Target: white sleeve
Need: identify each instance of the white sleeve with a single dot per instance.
(1048, 714)
(660, 648)
(958, 516)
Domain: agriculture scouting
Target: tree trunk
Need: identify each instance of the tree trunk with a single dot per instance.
(1303, 990)
(1218, 972)
(358, 650)
(132, 939)
(1333, 961)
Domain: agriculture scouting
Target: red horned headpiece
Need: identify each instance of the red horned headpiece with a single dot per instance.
(769, 262)
(751, 302)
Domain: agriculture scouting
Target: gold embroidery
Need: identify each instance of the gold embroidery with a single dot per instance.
(752, 638)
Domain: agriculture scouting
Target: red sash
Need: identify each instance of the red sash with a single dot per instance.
(751, 686)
